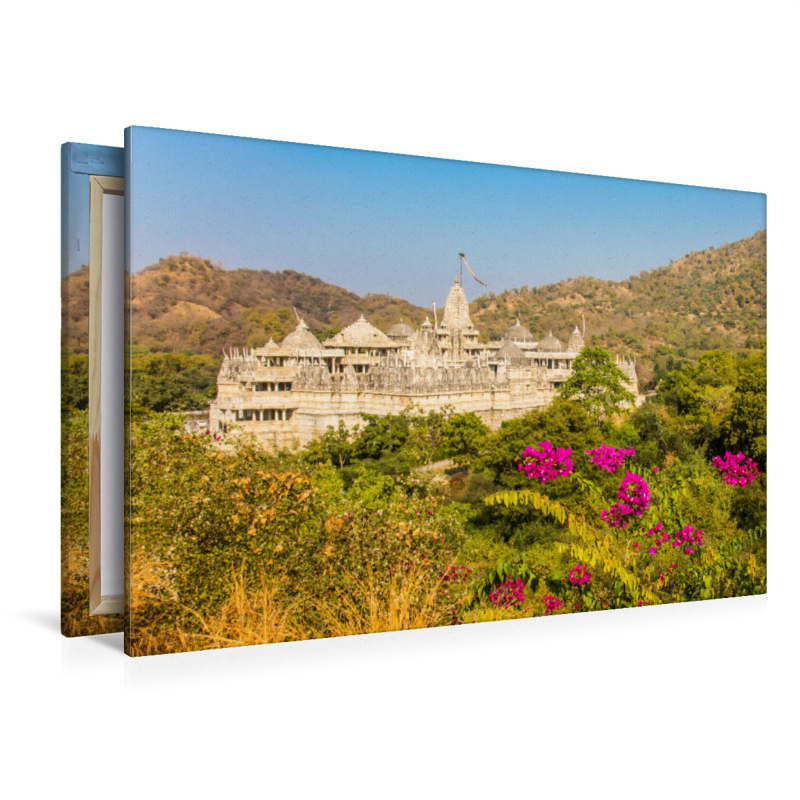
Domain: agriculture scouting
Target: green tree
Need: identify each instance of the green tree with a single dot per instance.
(680, 390)
(426, 433)
(463, 437)
(562, 423)
(716, 368)
(744, 427)
(335, 446)
(381, 434)
(373, 490)
(597, 384)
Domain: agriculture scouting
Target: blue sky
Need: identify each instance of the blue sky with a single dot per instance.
(377, 222)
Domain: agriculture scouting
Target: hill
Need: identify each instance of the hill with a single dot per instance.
(711, 299)
(188, 304)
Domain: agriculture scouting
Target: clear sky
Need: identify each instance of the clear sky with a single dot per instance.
(377, 222)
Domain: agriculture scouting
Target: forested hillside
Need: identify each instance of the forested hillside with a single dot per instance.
(188, 304)
(707, 300)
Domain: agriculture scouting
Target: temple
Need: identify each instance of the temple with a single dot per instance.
(289, 393)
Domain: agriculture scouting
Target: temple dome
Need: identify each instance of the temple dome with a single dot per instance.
(518, 333)
(360, 334)
(550, 344)
(510, 350)
(301, 338)
(400, 330)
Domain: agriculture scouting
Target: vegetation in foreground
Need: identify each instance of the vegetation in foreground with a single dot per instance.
(75, 619)
(553, 513)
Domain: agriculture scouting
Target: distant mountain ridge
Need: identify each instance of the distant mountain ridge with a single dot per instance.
(711, 299)
(188, 304)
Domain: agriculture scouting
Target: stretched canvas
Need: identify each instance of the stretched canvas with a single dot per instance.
(371, 392)
(92, 281)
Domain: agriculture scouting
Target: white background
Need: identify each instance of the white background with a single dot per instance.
(694, 701)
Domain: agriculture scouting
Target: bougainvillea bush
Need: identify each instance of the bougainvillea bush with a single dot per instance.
(232, 544)
(648, 544)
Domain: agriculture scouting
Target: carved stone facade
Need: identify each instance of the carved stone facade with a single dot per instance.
(288, 394)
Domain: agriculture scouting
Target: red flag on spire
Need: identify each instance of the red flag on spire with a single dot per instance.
(471, 272)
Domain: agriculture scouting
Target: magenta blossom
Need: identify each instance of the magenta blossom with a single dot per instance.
(607, 458)
(736, 471)
(510, 593)
(551, 604)
(579, 575)
(617, 515)
(687, 538)
(547, 463)
(634, 494)
(455, 574)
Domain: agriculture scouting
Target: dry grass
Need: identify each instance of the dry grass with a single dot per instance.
(260, 618)
(406, 603)
(254, 617)
(265, 615)
(75, 619)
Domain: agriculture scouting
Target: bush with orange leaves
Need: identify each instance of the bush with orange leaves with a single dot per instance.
(208, 522)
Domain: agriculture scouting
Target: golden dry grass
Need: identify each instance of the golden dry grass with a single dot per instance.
(406, 603)
(266, 615)
(262, 617)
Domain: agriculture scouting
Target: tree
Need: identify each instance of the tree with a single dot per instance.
(744, 427)
(335, 445)
(426, 432)
(381, 434)
(562, 423)
(463, 436)
(597, 384)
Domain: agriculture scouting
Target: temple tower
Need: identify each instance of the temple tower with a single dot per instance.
(457, 335)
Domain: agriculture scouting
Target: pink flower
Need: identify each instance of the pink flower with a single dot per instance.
(551, 604)
(735, 470)
(635, 496)
(607, 458)
(579, 575)
(510, 593)
(545, 464)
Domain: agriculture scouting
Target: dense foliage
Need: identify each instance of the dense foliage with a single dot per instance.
(208, 521)
(159, 381)
(75, 619)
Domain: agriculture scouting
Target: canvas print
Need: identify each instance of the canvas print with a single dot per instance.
(85, 169)
(371, 392)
